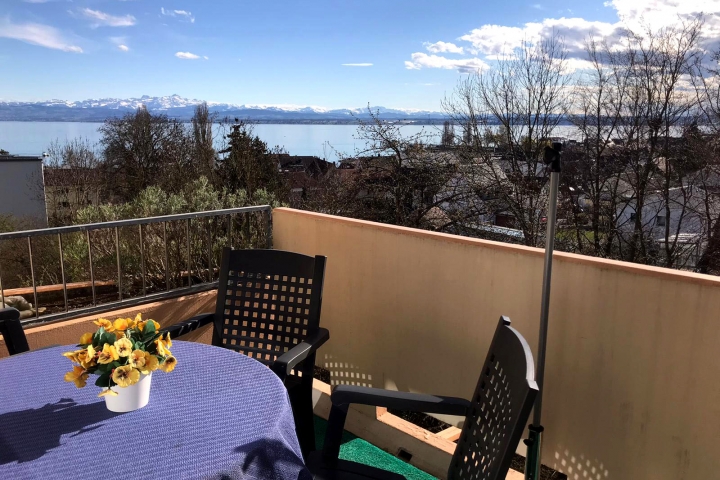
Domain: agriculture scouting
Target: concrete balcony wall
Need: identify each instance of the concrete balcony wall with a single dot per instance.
(633, 361)
(165, 312)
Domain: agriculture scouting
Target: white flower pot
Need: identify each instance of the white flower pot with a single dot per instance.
(130, 398)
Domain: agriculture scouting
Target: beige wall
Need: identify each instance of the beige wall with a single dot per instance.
(632, 388)
(166, 312)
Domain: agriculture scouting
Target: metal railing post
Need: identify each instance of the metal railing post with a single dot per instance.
(187, 232)
(32, 275)
(117, 258)
(92, 268)
(267, 215)
(142, 259)
(210, 251)
(62, 270)
(167, 263)
(2, 292)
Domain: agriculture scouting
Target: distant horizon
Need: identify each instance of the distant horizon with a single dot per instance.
(405, 54)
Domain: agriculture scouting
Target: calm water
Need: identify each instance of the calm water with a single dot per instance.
(324, 141)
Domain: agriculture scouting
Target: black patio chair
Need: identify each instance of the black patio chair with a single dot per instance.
(494, 419)
(12, 331)
(268, 307)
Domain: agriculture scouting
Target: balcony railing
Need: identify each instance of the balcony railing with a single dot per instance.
(137, 260)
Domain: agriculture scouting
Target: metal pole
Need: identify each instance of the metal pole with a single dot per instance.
(210, 251)
(2, 292)
(167, 264)
(62, 271)
(268, 228)
(187, 232)
(142, 259)
(117, 258)
(92, 269)
(32, 275)
(534, 440)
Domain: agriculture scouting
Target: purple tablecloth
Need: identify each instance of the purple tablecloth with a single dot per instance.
(219, 415)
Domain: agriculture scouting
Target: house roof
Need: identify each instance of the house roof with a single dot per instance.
(20, 158)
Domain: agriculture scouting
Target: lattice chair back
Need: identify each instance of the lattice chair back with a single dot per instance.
(499, 410)
(268, 301)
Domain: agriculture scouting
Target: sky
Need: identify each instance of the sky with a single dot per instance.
(327, 53)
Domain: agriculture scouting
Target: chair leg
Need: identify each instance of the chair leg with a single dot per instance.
(301, 401)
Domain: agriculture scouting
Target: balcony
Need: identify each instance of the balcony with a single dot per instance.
(632, 364)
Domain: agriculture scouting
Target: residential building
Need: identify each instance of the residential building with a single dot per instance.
(22, 188)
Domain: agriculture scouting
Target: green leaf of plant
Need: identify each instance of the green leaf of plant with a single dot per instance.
(102, 380)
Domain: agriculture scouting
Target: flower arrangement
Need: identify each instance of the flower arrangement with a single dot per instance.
(119, 352)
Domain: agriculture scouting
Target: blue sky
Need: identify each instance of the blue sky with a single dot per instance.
(283, 52)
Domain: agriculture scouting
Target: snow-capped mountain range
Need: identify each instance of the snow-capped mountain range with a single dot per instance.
(178, 107)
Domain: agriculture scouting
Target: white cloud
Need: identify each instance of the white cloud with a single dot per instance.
(423, 60)
(443, 47)
(105, 19)
(494, 42)
(357, 64)
(37, 34)
(124, 48)
(189, 56)
(178, 13)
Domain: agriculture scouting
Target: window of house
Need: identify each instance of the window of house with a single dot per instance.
(660, 220)
(633, 216)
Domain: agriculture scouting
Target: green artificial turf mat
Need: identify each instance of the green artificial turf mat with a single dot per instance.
(358, 450)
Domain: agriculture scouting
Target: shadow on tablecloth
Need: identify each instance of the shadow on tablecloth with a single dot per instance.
(19, 441)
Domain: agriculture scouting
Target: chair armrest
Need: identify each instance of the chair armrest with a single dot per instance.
(9, 313)
(413, 402)
(344, 395)
(12, 331)
(186, 326)
(284, 364)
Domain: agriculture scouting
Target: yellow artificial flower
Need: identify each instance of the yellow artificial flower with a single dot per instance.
(74, 356)
(125, 376)
(87, 358)
(134, 323)
(141, 325)
(124, 347)
(162, 346)
(138, 359)
(106, 324)
(169, 364)
(78, 375)
(121, 324)
(109, 354)
(107, 391)
(86, 338)
(151, 363)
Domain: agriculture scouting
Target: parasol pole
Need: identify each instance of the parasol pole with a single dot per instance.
(534, 440)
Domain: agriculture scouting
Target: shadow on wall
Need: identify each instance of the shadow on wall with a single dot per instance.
(344, 373)
(579, 467)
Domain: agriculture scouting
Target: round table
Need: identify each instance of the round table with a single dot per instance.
(218, 415)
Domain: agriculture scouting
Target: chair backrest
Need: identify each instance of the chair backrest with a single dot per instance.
(268, 301)
(12, 331)
(499, 409)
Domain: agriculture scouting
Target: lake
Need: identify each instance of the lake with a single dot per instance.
(324, 141)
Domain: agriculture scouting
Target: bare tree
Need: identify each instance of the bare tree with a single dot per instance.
(72, 179)
(656, 107)
(509, 113)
